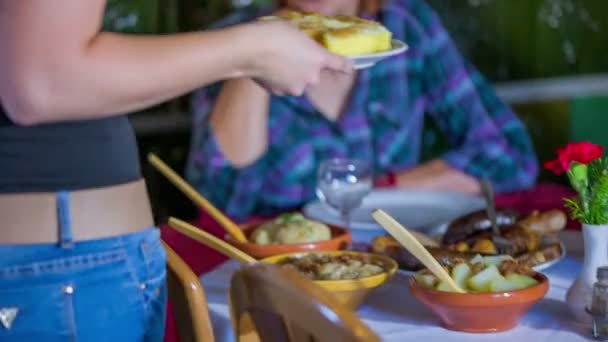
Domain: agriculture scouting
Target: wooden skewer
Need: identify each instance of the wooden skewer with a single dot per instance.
(210, 241)
(409, 241)
(229, 225)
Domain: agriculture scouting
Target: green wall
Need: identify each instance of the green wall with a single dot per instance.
(589, 119)
(523, 39)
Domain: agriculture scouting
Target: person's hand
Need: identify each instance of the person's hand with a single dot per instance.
(289, 60)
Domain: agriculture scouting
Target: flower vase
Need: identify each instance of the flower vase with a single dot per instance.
(579, 295)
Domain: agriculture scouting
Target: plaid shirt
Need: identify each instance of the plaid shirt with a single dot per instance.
(383, 123)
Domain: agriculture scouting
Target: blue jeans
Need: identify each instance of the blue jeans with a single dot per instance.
(110, 289)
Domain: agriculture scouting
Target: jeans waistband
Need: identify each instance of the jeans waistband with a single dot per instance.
(13, 255)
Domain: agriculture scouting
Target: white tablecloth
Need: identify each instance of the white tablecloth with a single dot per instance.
(396, 316)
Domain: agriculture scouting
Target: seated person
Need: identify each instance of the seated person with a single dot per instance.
(257, 154)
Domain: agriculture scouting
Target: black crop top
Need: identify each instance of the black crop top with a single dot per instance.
(67, 156)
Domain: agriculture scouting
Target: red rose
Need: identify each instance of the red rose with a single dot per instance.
(582, 152)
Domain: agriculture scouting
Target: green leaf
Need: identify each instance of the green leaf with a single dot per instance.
(575, 208)
(579, 178)
(592, 204)
(597, 169)
(598, 202)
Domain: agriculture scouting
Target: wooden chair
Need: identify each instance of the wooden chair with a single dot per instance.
(188, 300)
(284, 306)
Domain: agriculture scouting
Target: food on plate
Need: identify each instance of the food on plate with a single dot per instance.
(483, 246)
(468, 225)
(542, 255)
(343, 35)
(472, 226)
(472, 232)
(289, 229)
(345, 266)
(548, 222)
(523, 240)
(482, 274)
(533, 238)
(387, 245)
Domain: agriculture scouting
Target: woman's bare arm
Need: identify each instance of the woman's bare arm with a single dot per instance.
(56, 64)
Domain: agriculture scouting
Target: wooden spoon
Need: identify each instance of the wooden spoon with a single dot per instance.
(229, 225)
(410, 243)
(210, 241)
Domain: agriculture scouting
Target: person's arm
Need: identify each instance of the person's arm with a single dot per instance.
(239, 121)
(486, 138)
(56, 64)
(233, 189)
(438, 175)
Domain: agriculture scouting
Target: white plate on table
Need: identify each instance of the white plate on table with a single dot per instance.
(369, 60)
(425, 211)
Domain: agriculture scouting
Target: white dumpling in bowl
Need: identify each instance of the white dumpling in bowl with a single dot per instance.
(289, 229)
(303, 233)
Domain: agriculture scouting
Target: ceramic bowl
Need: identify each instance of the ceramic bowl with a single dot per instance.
(351, 293)
(340, 239)
(480, 312)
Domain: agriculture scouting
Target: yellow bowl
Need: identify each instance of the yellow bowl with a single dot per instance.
(352, 292)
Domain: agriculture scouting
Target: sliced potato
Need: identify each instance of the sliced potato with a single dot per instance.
(482, 280)
(521, 281)
(461, 273)
(477, 259)
(480, 274)
(443, 286)
(500, 284)
(426, 280)
(496, 259)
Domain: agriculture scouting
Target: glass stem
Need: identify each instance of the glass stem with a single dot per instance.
(346, 218)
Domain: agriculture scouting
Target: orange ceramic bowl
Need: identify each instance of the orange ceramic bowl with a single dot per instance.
(480, 312)
(340, 239)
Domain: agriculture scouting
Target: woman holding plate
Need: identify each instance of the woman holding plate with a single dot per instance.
(79, 256)
(253, 152)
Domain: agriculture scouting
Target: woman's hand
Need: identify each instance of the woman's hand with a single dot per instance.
(289, 60)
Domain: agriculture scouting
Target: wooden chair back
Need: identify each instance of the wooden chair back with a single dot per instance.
(188, 301)
(285, 306)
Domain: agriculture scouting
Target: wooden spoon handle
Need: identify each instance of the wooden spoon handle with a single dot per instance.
(230, 227)
(410, 243)
(210, 241)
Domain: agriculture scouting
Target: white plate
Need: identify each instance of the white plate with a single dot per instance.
(369, 60)
(424, 211)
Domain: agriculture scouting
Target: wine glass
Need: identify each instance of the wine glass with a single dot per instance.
(343, 183)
